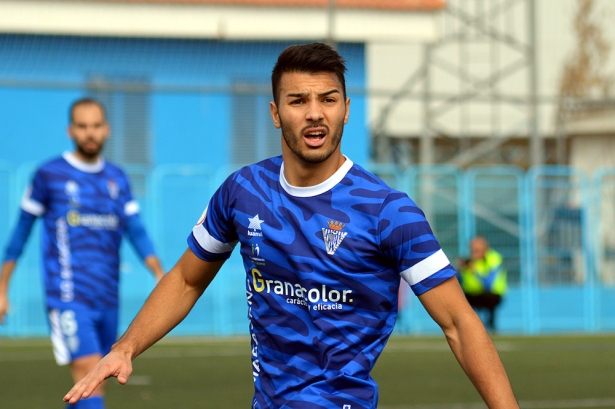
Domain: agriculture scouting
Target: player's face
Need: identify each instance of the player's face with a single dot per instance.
(88, 130)
(478, 249)
(311, 112)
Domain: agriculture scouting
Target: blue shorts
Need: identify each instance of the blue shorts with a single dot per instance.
(78, 331)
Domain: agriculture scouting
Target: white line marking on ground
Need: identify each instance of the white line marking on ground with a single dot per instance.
(139, 380)
(149, 354)
(28, 356)
(571, 403)
(544, 404)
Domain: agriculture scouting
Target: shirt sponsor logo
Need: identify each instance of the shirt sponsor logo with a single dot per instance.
(333, 236)
(256, 366)
(318, 298)
(93, 221)
(255, 226)
(67, 286)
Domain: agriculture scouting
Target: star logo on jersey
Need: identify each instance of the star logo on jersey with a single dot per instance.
(71, 188)
(333, 235)
(255, 224)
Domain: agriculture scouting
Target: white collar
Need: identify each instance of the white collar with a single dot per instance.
(83, 166)
(319, 188)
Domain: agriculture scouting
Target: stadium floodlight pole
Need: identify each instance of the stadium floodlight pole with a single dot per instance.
(331, 24)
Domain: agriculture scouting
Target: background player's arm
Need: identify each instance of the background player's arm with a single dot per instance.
(143, 245)
(470, 342)
(167, 306)
(153, 264)
(13, 251)
(7, 270)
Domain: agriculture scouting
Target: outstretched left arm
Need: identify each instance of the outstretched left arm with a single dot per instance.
(470, 342)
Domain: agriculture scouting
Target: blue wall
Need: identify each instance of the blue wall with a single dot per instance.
(189, 80)
(190, 123)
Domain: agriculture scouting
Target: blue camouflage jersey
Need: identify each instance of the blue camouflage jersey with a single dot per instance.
(323, 268)
(84, 208)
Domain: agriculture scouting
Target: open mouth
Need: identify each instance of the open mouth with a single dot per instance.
(315, 136)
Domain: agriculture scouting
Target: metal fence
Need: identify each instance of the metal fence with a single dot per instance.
(553, 225)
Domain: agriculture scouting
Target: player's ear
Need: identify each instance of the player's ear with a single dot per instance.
(107, 130)
(69, 132)
(275, 115)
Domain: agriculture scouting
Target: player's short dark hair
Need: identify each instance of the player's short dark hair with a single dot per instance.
(308, 58)
(85, 101)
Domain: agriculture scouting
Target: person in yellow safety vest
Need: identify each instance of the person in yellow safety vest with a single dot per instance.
(483, 278)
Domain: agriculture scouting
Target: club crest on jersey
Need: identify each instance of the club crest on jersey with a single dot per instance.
(113, 189)
(255, 226)
(333, 235)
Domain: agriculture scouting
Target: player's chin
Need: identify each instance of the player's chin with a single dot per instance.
(91, 152)
(316, 156)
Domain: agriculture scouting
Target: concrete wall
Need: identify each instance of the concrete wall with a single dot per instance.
(390, 65)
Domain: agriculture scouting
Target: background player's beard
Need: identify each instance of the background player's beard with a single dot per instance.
(310, 156)
(89, 153)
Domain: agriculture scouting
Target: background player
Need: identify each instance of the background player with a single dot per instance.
(86, 206)
(324, 244)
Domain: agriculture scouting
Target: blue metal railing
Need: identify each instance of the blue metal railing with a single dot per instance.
(553, 224)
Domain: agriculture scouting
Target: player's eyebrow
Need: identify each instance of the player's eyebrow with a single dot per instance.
(305, 94)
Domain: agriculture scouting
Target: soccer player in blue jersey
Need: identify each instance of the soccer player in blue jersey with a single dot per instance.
(324, 245)
(86, 207)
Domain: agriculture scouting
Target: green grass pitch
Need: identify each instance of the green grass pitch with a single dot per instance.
(573, 372)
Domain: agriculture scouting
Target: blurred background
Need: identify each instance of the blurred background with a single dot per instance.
(495, 116)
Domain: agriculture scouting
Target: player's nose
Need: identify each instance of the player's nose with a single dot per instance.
(314, 111)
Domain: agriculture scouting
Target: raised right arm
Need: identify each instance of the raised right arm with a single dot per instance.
(168, 304)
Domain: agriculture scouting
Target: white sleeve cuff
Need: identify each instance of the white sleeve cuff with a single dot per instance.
(30, 205)
(131, 208)
(210, 244)
(423, 269)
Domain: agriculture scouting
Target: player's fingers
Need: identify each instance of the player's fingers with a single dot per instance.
(122, 376)
(75, 393)
(122, 372)
(85, 386)
(82, 389)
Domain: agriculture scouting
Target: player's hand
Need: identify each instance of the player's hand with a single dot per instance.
(114, 364)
